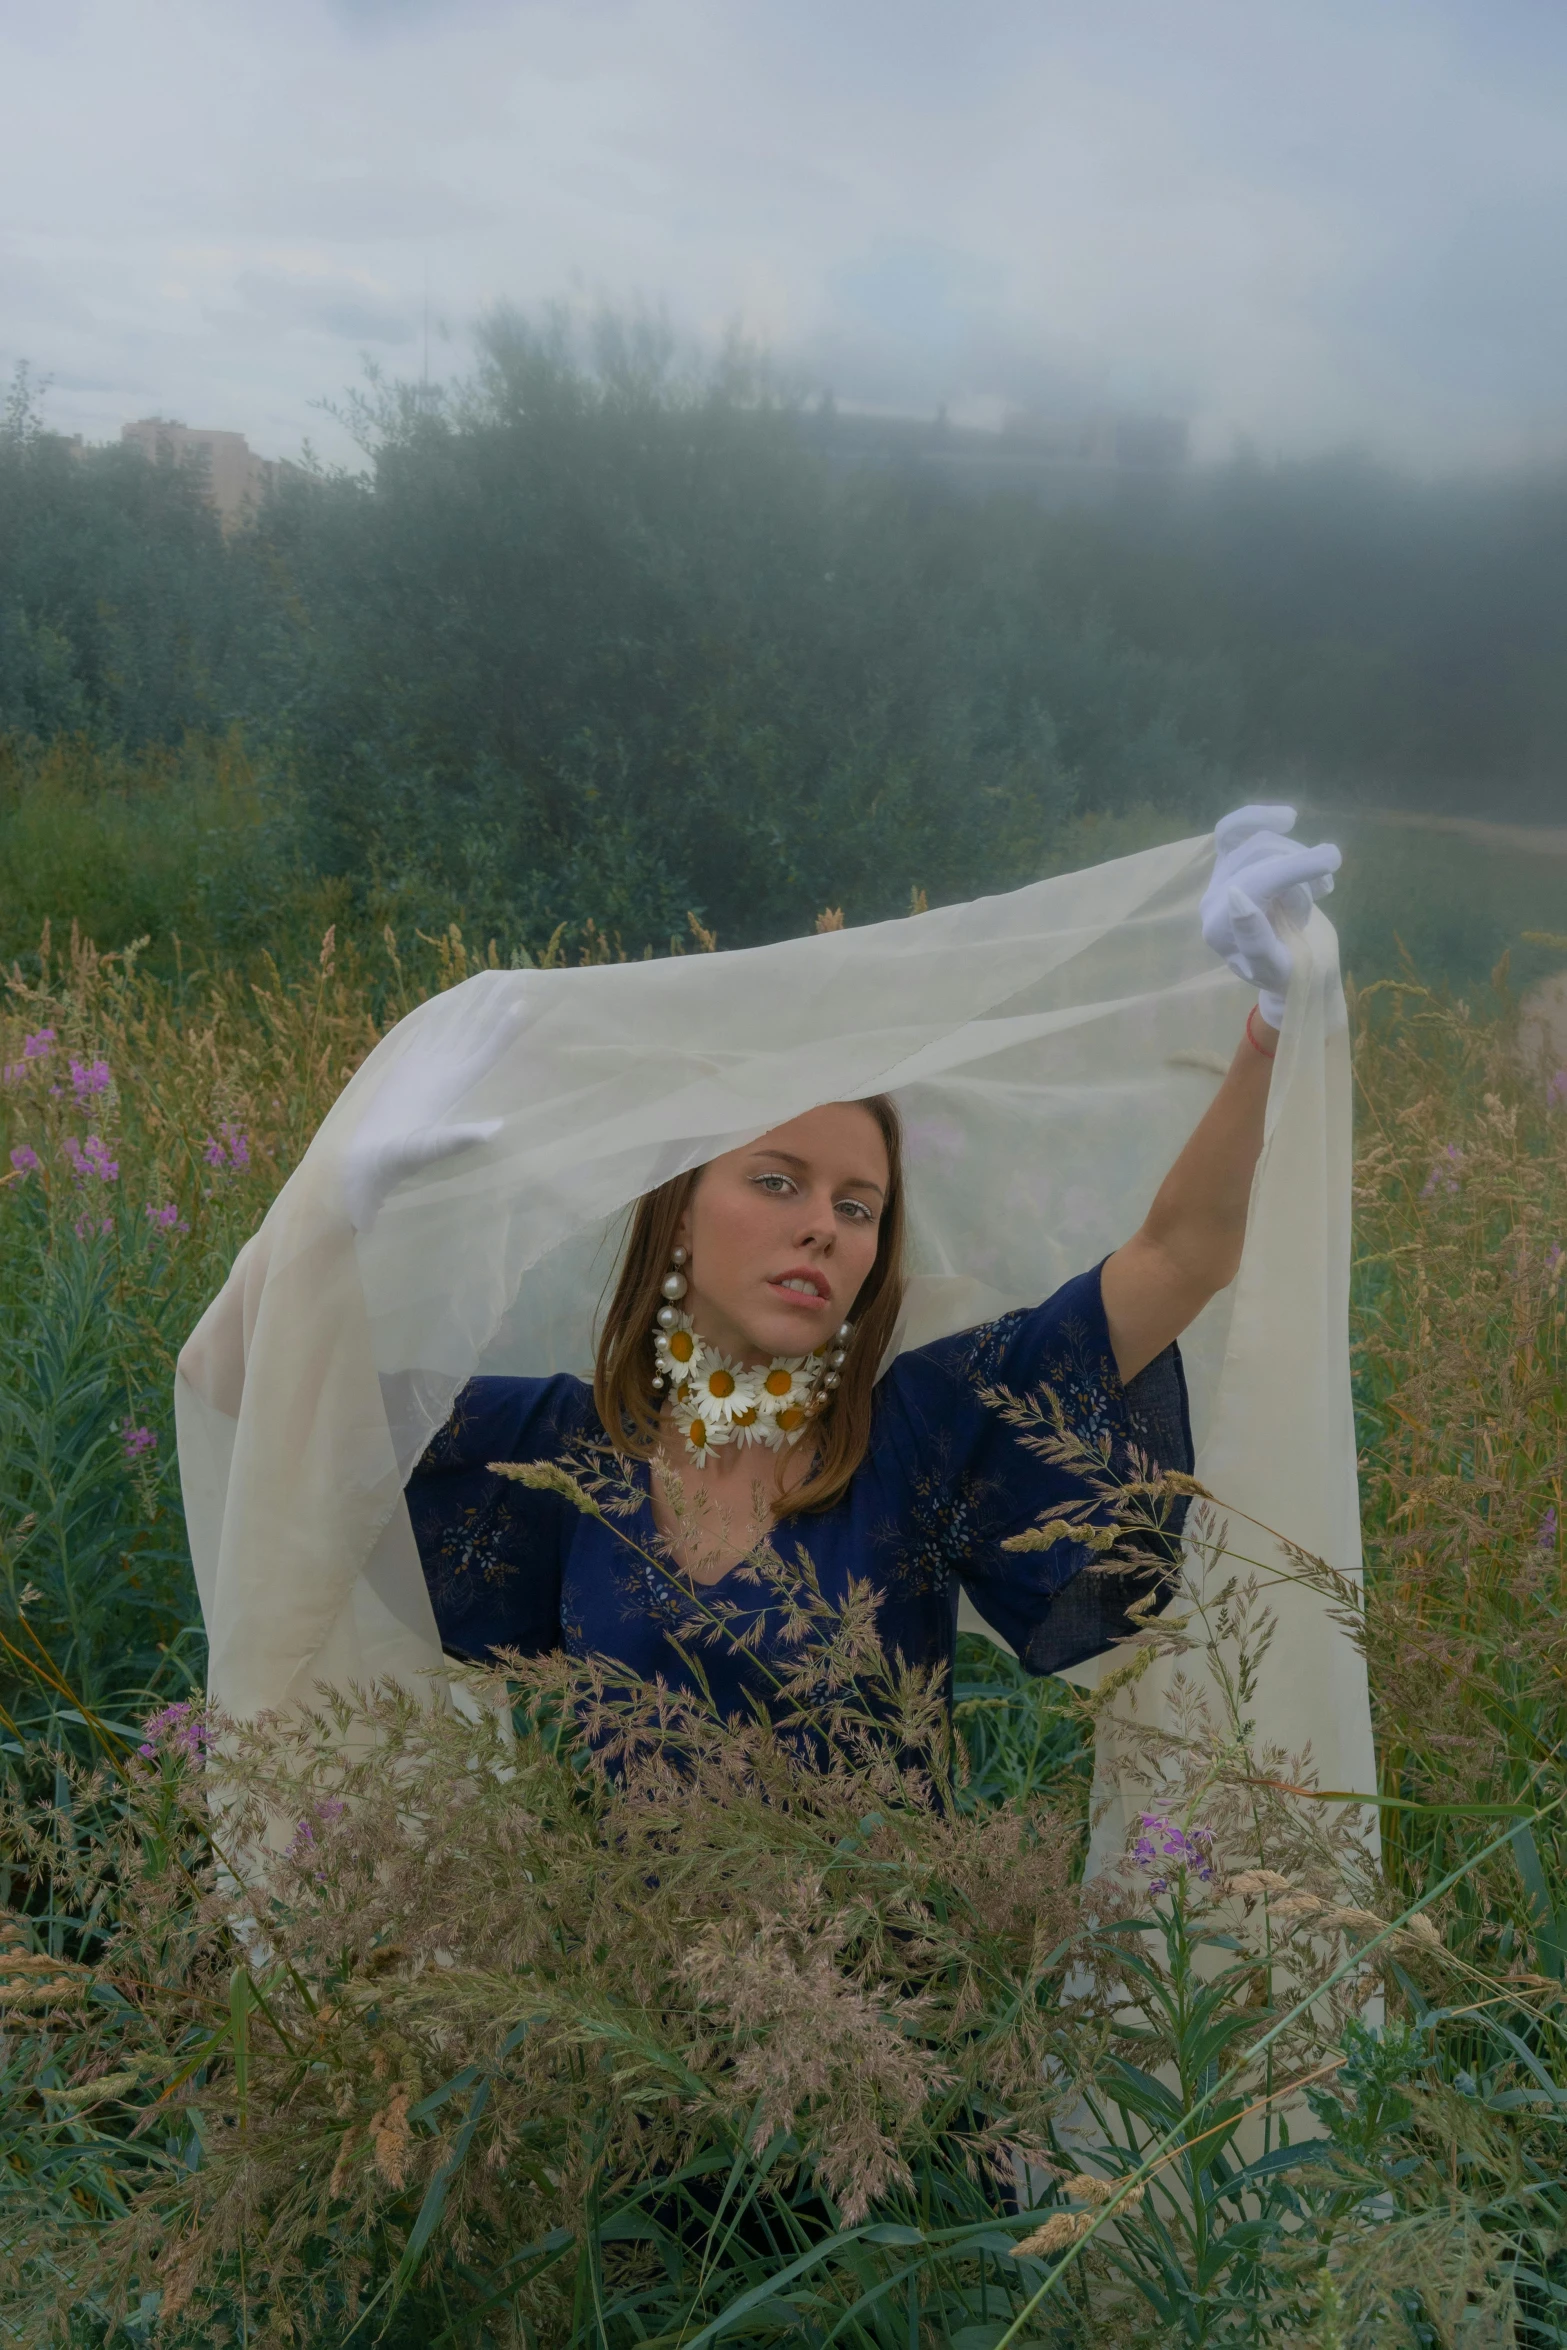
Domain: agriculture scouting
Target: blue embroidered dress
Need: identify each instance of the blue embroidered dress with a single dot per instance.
(945, 1480)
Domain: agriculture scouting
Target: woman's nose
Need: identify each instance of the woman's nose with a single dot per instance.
(816, 1229)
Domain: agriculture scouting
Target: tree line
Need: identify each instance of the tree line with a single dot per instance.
(593, 633)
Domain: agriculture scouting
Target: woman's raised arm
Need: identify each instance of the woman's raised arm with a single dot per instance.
(1189, 1246)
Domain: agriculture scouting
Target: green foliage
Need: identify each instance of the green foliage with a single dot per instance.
(122, 610)
(590, 635)
(605, 636)
(1445, 905)
(191, 845)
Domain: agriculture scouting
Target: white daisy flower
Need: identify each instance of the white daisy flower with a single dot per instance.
(679, 1352)
(702, 1435)
(751, 1425)
(792, 1422)
(785, 1383)
(722, 1388)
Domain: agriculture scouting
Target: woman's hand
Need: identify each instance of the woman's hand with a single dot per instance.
(1189, 1247)
(405, 1126)
(1261, 878)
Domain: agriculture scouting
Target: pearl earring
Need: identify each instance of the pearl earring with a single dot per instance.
(837, 1357)
(673, 1288)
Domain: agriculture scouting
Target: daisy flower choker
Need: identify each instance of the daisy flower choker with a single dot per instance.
(718, 1402)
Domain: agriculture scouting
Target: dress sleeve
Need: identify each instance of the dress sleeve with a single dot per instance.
(493, 1550)
(968, 1467)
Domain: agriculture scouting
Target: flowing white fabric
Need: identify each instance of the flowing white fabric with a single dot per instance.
(1050, 1050)
(1277, 1445)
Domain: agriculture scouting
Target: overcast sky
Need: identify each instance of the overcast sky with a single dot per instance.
(1311, 222)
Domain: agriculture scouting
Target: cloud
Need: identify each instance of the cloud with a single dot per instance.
(1307, 224)
(275, 303)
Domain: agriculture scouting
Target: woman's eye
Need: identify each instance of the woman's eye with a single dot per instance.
(774, 1184)
(856, 1210)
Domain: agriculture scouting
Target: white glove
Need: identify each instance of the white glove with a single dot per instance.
(1261, 877)
(404, 1128)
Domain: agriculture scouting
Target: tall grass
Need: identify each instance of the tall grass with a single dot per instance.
(757, 2053)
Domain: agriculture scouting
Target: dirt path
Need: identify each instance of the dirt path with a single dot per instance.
(1542, 1014)
(1534, 840)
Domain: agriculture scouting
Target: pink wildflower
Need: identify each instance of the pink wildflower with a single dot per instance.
(166, 1219)
(1547, 1533)
(25, 1159)
(88, 1078)
(88, 1226)
(1556, 1091)
(136, 1440)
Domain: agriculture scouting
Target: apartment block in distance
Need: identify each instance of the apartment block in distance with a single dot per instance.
(238, 481)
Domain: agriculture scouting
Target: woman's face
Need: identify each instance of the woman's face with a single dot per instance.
(781, 1234)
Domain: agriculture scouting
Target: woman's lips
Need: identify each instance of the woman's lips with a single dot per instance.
(811, 1299)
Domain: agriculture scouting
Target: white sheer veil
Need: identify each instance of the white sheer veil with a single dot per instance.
(1050, 1050)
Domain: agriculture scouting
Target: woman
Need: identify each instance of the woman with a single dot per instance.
(452, 1228)
(736, 1403)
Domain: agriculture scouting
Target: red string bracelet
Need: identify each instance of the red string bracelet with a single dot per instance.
(1269, 1053)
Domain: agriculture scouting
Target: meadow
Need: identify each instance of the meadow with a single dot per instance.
(758, 2054)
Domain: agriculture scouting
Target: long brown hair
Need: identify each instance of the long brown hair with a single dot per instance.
(623, 1389)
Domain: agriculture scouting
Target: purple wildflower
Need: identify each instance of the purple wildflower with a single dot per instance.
(1547, 1533)
(88, 1078)
(1444, 1175)
(229, 1147)
(166, 1219)
(1163, 1843)
(1556, 1091)
(1553, 1257)
(36, 1047)
(88, 1226)
(304, 1836)
(181, 1726)
(25, 1159)
(90, 1158)
(136, 1440)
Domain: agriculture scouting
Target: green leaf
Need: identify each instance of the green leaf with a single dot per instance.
(437, 2097)
(1550, 1924)
(440, 2182)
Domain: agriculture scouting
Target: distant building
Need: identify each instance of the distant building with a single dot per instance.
(238, 481)
(1057, 460)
